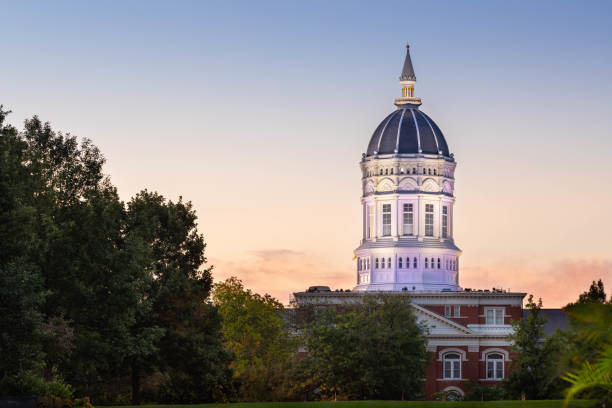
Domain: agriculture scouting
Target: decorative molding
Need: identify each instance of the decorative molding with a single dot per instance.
(457, 389)
(447, 350)
(492, 350)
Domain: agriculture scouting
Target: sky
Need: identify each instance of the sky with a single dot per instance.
(258, 112)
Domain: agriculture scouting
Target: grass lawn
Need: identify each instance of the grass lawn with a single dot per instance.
(382, 404)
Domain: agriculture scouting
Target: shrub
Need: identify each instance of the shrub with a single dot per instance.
(52, 401)
(483, 392)
(30, 384)
(450, 395)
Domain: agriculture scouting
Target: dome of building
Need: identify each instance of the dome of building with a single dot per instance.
(407, 130)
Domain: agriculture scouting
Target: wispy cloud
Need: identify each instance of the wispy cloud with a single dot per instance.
(557, 283)
(281, 272)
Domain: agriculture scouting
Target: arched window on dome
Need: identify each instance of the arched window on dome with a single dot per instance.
(391, 171)
(414, 170)
(452, 366)
(434, 172)
(447, 265)
(495, 366)
(376, 263)
(415, 263)
(438, 263)
(368, 263)
(426, 263)
(429, 171)
(400, 263)
(388, 262)
(386, 171)
(381, 172)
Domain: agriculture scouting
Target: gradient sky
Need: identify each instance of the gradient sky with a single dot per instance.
(258, 113)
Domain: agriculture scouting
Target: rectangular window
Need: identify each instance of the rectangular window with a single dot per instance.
(495, 366)
(494, 316)
(444, 221)
(456, 311)
(447, 310)
(429, 220)
(408, 219)
(452, 368)
(371, 215)
(386, 220)
(400, 263)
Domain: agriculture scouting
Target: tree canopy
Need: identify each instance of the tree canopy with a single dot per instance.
(94, 290)
(374, 349)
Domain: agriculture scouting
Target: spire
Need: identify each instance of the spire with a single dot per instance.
(408, 70)
(407, 81)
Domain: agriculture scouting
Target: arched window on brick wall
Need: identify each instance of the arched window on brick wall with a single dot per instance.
(495, 366)
(451, 366)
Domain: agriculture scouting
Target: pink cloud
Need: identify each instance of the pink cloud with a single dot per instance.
(557, 283)
(281, 272)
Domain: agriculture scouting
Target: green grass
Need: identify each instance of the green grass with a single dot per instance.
(383, 404)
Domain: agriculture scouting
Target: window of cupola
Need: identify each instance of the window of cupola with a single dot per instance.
(408, 219)
(386, 219)
(429, 220)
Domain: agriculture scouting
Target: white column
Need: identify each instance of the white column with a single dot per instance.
(375, 206)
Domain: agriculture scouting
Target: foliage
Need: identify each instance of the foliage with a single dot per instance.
(94, 289)
(254, 331)
(595, 294)
(534, 369)
(21, 282)
(591, 325)
(29, 383)
(371, 349)
(53, 401)
(447, 395)
(391, 404)
(180, 332)
(482, 392)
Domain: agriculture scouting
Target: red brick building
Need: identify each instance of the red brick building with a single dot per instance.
(407, 248)
(467, 332)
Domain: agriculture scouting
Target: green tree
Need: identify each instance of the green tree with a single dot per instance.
(64, 265)
(595, 294)
(254, 330)
(373, 349)
(94, 277)
(535, 372)
(592, 375)
(21, 284)
(189, 351)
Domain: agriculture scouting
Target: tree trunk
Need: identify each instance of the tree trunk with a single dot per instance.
(135, 384)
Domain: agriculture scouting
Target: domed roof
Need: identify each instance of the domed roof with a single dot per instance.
(407, 130)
